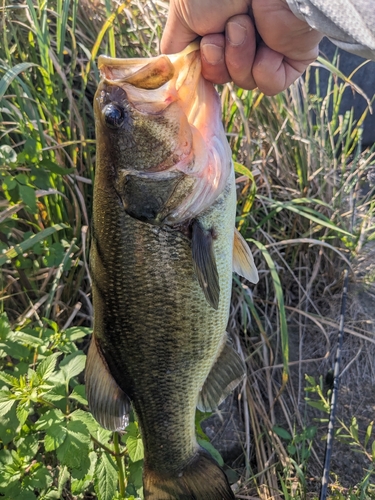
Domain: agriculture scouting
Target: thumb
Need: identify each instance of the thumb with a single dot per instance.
(177, 35)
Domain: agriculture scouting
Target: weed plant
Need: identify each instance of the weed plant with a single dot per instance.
(298, 167)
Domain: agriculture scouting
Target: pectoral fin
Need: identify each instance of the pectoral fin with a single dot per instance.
(243, 262)
(225, 375)
(107, 402)
(205, 263)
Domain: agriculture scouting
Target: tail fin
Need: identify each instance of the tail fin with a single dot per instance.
(202, 479)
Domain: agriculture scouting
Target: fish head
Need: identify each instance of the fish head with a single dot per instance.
(160, 141)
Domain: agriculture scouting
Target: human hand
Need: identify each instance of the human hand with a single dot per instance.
(229, 47)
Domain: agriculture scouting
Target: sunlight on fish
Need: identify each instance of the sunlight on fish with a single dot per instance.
(164, 245)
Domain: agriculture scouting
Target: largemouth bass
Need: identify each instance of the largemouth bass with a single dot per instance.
(163, 248)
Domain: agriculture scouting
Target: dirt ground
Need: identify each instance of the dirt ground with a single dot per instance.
(357, 386)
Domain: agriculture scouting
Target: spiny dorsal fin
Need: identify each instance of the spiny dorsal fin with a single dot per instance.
(205, 263)
(107, 402)
(225, 375)
(243, 262)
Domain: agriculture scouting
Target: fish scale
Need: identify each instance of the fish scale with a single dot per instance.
(162, 252)
(153, 269)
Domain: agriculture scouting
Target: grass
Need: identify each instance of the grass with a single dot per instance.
(308, 170)
(299, 169)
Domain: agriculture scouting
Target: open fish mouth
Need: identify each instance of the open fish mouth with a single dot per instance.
(164, 104)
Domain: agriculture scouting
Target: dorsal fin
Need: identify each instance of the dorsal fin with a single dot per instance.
(205, 263)
(243, 262)
(107, 402)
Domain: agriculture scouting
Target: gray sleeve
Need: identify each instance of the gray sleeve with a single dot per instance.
(350, 24)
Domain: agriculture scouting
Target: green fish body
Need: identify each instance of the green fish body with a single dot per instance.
(161, 260)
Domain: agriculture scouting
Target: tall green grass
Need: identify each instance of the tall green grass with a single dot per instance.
(295, 206)
(298, 169)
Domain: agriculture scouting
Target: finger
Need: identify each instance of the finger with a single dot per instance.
(283, 32)
(177, 35)
(273, 72)
(240, 50)
(189, 18)
(213, 59)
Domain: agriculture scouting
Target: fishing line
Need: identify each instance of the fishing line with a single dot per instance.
(340, 338)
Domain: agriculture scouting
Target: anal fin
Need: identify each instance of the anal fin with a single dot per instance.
(205, 263)
(243, 262)
(225, 375)
(107, 402)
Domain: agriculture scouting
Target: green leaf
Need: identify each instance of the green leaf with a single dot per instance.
(21, 248)
(291, 449)
(6, 404)
(87, 418)
(77, 332)
(9, 182)
(299, 472)
(131, 430)
(8, 426)
(305, 454)
(103, 435)
(79, 394)
(11, 74)
(28, 196)
(64, 477)
(281, 307)
(40, 478)
(321, 405)
(26, 495)
(22, 412)
(5, 328)
(135, 474)
(47, 366)
(27, 447)
(10, 486)
(50, 418)
(55, 168)
(81, 478)
(211, 450)
(368, 433)
(308, 213)
(26, 339)
(283, 433)
(7, 155)
(354, 429)
(9, 379)
(75, 448)
(73, 364)
(135, 448)
(57, 393)
(15, 350)
(55, 436)
(105, 478)
(200, 416)
(310, 432)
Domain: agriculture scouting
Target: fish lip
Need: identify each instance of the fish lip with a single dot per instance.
(149, 73)
(106, 85)
(121, 62)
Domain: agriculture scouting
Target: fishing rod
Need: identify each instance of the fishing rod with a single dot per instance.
(337, 363)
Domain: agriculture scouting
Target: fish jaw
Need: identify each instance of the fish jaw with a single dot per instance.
(169, 122)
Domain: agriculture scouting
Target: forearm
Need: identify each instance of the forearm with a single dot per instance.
(349, 24)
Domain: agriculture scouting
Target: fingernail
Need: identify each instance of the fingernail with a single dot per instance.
(236, 33)
(212, 53)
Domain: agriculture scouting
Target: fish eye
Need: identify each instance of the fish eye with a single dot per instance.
(114, 115)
